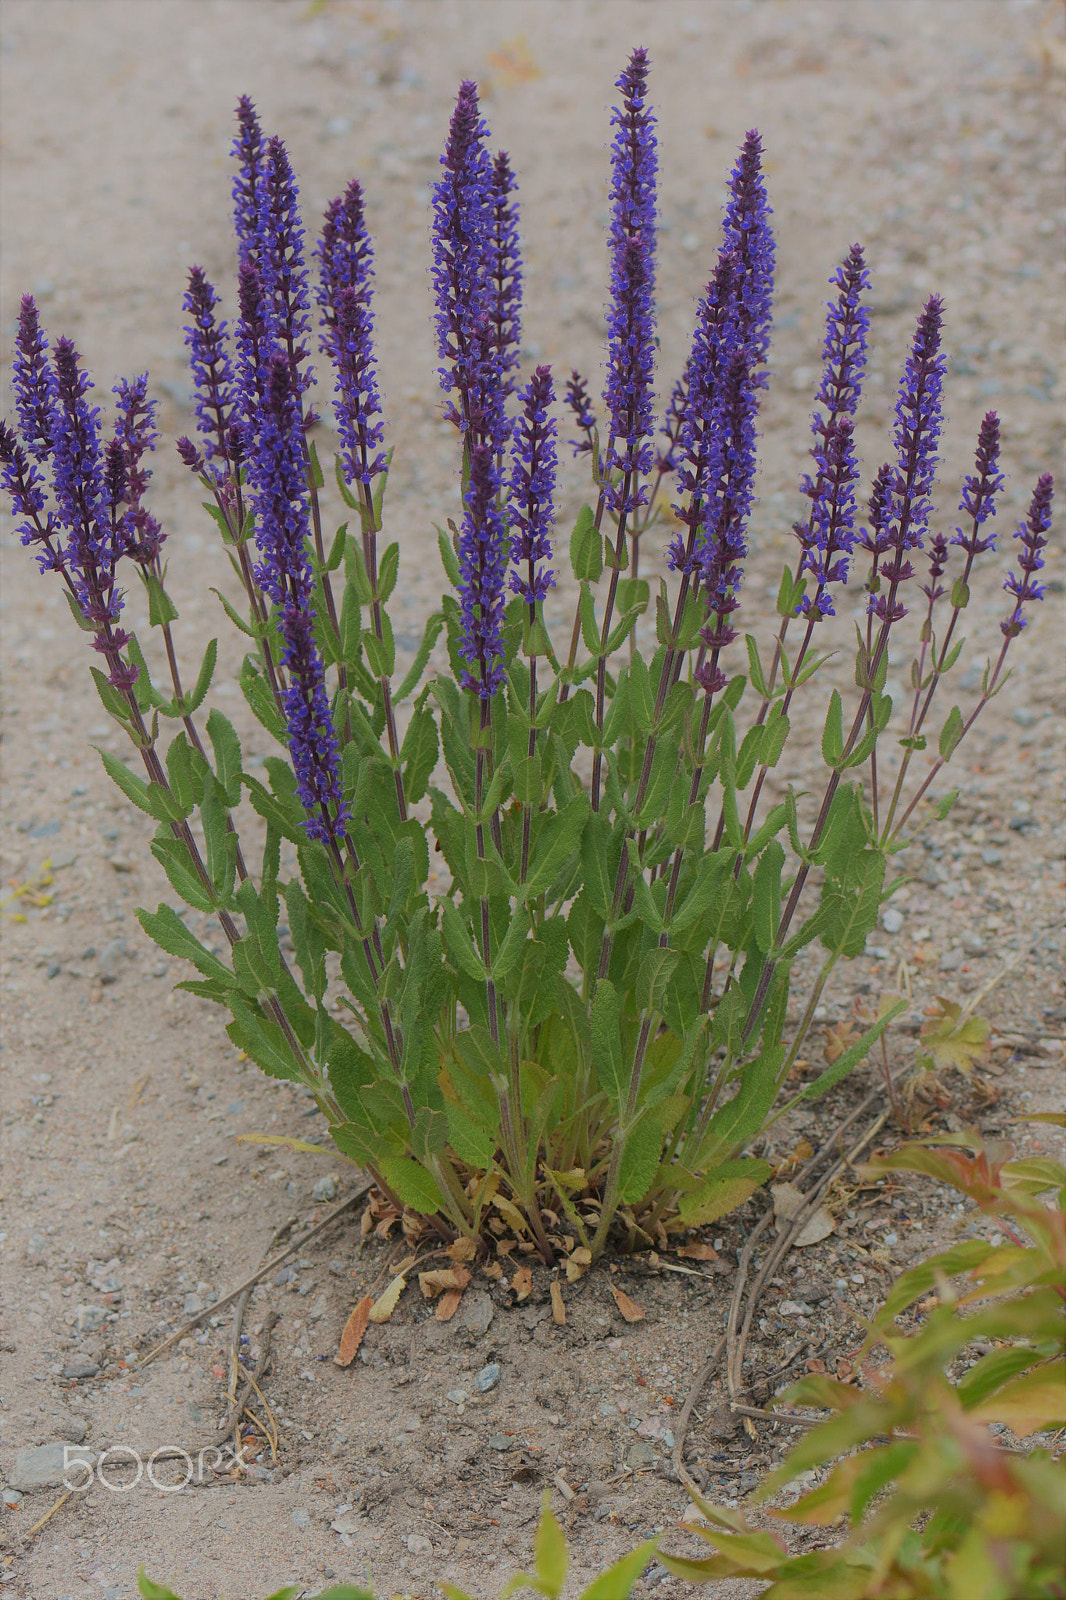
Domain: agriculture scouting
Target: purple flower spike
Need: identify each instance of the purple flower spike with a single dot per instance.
(209, 360)
(32, 382)
(253, 350)
(248, 151)
(462, 221)
(904, 503)
(280, 258)
(1032, 538)
(346, 268)
(25, 484)
(827, 535)
(980, 489)
(505, 271)
(577, 398)
(630, 314)
(279, 500)
(483, 552)
(78, 480)
(533, 463)
(135, 436)
(746, 231)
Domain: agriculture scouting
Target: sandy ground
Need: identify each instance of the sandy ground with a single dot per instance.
(932, 133)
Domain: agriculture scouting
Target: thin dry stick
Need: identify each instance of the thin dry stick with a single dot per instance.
(711, 1364)
(261, 1272)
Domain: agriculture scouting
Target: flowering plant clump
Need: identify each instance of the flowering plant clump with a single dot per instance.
(579, 1037)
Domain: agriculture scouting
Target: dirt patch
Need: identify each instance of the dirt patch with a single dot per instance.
(932, 132)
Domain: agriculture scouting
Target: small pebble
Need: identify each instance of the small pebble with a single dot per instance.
(499, 1441)
(640, 1455)
(418, 1544)
(301, 1517)
(325, 1188)
(992, 858)
(487, 1378)
(191, 1305)
(458, 1397)
(80, 1369)
(891, 919)
(89, 1318)
(952, 960)
(412, 1425)
(892, 1238)
(1025, 716)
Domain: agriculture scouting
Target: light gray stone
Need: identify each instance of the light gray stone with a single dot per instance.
(892, 919)
(109, 957)
(80, 1369)
(325, 1188)
(952, 960)
(89, 1318)
(47, 1467)
(477, 1313)
(487, 1378)
(640, 1455)
(301, 1517)
(418, 1544)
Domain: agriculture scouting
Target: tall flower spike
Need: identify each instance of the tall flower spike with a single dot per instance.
(32, 380)
(462, 217)
(907, 489)
(24, 482)
(280, 257)
(980, 489)
(630, 312)
(533, 463)
(346, 268)
(248, 153)
(483, 553)
(746, 231)
(504, 268)
(209, 361)
(78, 480)
(279, 500)
(827, 534)
(1032, 539)
(700, 432)
(253, 350)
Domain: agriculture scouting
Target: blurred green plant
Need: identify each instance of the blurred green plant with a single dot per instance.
(956, 1514)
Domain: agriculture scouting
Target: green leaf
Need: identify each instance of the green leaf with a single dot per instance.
(616, 1583)
(766, 896)
(513, 945)
(605, 1020)
(735, 1123)
(412, 1184)
(115, 704)
(262, 1040)
(380, 653)
(203, 678)
(833, 733)
(458, 942)
(560, 837)
(166, 929)
(653, 977)
(161, 608)
(411, 678)
(154, 1591)
(724, 1191)
(419, 751)
(586, 547)
(951, 733)
(173, 855)
(590, 634)
(852, 1055)
(449, 559)
(260, 698)
(219, 841)
(250, 630)
(640, 1159)
(133, 787)
(227, 748)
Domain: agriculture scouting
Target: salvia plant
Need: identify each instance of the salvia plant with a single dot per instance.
(580, 1033)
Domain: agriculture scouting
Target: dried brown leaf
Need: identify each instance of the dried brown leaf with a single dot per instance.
(492, 1269)
(463, 1249)
(629, 1308)
(578, 1264)
(698, 1251)
(522, 1282)
(448, 1304)
(354, 1329)
(443, 1278)
(558, 1305)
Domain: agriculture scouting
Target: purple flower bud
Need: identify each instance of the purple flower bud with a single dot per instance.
(346, 268)
(209, 360)
(23, 481)
(577, 398)
(32, 380)
(533, 463)
(630, 313)
(312, 737)
(1032, 538)
(254, 348)
(980, 489)
(190, 455)
(504, 267)
(483, 552)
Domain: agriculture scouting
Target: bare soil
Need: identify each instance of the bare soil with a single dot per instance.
(932, 132)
